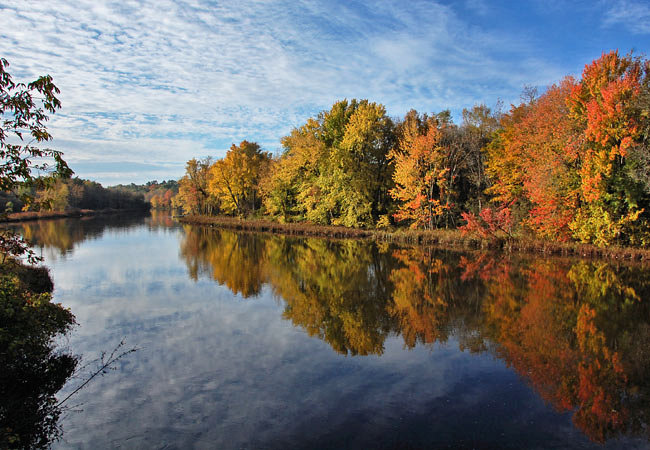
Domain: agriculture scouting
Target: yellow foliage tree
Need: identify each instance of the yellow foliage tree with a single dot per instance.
(235, 178)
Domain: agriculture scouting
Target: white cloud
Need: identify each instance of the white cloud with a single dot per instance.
(167, 80)
(633, 15)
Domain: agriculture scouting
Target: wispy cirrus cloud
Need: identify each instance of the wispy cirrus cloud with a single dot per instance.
(152, 81)
(633, 15)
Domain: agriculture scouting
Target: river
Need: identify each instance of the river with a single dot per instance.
(259, 341)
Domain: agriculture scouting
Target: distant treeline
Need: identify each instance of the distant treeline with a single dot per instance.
(74, 193)
(77, 193)
(158, 194)
(570, 164)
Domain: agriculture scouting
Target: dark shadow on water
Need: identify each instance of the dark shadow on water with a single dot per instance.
(33, 368)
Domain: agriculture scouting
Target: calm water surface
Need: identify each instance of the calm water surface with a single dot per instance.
(257, 341)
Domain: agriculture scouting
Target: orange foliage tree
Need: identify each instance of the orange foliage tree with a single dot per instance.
(420, 175)
(604, 107)
(563, 157)
(532, 162)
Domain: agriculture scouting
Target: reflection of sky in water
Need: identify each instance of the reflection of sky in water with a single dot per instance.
(219, 371)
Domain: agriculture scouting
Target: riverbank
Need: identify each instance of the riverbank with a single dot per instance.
(441, 238)
(42, 215)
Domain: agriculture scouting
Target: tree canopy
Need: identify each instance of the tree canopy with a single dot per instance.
(570, 164)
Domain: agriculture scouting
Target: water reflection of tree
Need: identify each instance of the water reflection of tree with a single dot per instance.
(32, 370)
(430, 301)
(232, 259)
(336, 290)
(578, 331)
(62, 235)
(160, 219)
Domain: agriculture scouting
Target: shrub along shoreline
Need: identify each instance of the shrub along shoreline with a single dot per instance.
(452, 238)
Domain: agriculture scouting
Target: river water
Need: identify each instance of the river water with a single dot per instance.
(259, 341)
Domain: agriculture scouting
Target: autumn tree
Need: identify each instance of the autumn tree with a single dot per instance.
(572, 161)
(277, 191)
(167, 198)
(334, 168)
(291, 189)
(235, 178)
(504, 159)
(550, 162)
(155, 201)
(532, 162)
(360, 171)
(193, 189)
(54, 197)
(420, 174)
(605, 107)
(438, 166)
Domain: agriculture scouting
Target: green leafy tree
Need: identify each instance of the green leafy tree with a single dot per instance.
(334, 169)
(24, 112)
(25, 109)
(359, 168)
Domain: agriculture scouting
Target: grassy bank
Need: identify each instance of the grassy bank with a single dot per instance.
(263, 225)
(40, 215)
(439, 238)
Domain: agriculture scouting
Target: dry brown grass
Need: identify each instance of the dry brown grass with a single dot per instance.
(263, 225)
(578, 249)
(437, 238)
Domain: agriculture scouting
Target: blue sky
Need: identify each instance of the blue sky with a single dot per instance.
(148, 84)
